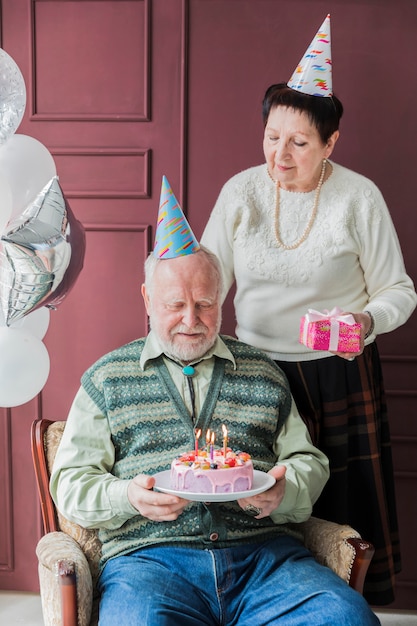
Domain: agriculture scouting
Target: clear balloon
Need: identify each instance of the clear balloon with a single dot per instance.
(42, 254)
(24, 367)
(5, 202)
(27, 166)
(12, 96)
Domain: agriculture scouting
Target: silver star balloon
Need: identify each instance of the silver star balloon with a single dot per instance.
(42, 254)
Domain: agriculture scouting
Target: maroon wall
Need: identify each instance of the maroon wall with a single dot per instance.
(123, 91)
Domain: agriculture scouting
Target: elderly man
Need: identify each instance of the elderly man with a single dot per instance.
(168, 561)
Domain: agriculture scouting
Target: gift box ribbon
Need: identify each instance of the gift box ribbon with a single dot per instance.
(335, 316)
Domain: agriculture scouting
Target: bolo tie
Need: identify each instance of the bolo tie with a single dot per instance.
(188, 371)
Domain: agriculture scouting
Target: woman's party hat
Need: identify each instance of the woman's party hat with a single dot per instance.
(313, 74)
(174, 236)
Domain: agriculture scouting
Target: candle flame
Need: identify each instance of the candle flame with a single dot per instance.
(208, 436)
(212, 437)
(198, 433)
(224, 429)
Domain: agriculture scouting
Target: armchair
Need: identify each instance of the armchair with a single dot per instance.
(69, 555)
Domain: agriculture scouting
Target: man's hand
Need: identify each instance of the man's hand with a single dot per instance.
(156, 506)
(269, 500)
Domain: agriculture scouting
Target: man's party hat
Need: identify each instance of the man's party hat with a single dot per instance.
(174, 236)
(313, 74)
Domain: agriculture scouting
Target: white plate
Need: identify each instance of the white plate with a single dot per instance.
(261, 482)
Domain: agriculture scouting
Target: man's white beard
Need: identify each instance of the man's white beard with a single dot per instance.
(187, 352)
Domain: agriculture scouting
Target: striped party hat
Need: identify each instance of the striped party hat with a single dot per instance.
(313, 74)
(174, 236)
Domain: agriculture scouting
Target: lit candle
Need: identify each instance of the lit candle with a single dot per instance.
(212, 447)
(208, 435)
(197, 437)
(224, 429)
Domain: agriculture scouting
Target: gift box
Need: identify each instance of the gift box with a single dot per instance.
(333, 330)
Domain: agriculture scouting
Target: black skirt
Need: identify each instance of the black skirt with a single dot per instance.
(343, 405)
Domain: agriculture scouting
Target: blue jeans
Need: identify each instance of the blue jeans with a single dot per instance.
(277, 582)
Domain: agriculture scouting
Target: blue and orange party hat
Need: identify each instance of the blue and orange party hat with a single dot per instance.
(174, 236)
(313, 74)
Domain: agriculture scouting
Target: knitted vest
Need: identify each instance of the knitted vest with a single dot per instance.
(150, 425)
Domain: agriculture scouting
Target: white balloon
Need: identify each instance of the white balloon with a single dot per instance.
(5, 202)
(12, 96)
(35, 323)
(28, 166)
(24, 367)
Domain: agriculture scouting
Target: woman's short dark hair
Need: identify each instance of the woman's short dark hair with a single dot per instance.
(324, 111)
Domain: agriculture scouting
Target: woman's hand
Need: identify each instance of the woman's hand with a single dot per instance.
(365, 320)
(269, 500)
(156, 506)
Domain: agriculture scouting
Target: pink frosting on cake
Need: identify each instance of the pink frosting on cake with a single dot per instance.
(194, 474)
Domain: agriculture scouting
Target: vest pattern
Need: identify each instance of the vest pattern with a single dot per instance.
(150, 425)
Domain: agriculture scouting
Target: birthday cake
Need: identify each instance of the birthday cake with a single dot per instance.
(212, 473)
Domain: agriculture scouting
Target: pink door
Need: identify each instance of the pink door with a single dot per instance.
(105, 95)
(237, 48)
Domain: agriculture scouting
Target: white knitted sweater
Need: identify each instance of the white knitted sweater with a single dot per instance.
(351, 258)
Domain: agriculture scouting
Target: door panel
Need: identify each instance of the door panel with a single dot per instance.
(105, 82)
(237, 48)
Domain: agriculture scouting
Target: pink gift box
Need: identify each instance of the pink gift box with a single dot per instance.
(331, 330)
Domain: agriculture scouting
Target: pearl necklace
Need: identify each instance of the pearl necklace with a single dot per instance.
(312, 217)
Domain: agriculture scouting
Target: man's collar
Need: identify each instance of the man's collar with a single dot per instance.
(153, 350)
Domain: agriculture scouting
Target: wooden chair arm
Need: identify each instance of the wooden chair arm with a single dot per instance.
(364, 551)
(339, 547)
(65, 581)
(68, 587)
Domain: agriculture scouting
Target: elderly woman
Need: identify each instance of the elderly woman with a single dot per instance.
(300, 232)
